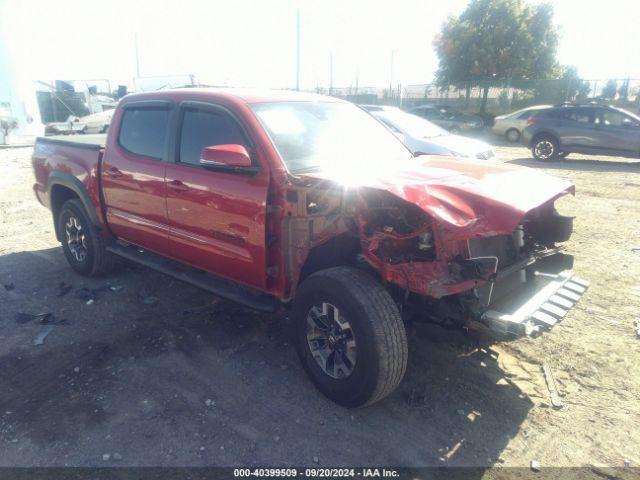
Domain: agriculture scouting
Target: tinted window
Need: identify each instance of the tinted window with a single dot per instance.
(143, 131)
(614, 119)
(525, 115)
(202, 129)
(580, 115)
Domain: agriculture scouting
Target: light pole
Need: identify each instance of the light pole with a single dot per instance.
(393, 53)
(297, 49)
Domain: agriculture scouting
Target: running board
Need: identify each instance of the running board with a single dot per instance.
(206, 281)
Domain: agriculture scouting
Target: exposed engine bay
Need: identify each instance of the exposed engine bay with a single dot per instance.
(427, 254)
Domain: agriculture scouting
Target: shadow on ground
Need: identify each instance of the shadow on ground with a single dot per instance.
(190, 380)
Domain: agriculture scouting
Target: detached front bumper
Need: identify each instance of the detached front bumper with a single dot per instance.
(537, 306)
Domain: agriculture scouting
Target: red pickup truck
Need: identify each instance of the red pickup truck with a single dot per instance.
(283, 199)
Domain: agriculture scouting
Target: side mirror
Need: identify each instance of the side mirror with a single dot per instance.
(230, 155)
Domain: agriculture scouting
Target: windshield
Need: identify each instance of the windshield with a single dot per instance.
(416, 127)
(324, 136)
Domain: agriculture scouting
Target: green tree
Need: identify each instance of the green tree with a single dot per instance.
(609, 90)
(495, 40)
(565, 86)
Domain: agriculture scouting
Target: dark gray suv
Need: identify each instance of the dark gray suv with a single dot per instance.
(555, 132)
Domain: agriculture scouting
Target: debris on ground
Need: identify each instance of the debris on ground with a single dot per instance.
(209, 308)
(316, 459)
(90, 301)
(28, 317)
(117, 456)
(209, 403)
(39, 340)
(551, 386)
(151, 300)
(85, 294)
(638, 328)
(63, 289)
(115, 288)
(535, 465)
(106, 457)
(9, 286)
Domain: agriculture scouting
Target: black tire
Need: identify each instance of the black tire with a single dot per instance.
(545, 148)
(379, 337)
(512, 135)
(95, 260)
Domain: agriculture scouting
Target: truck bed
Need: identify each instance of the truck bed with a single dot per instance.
(93, 142)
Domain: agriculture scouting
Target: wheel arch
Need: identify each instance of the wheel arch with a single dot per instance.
(543, 133)
(62, 187)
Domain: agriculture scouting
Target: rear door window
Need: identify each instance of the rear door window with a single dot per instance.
(202, 128)
(143, 131)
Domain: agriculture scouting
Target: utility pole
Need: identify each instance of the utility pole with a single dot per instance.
(298, 49)
(330, 73)
(135, 41)
(393, 52)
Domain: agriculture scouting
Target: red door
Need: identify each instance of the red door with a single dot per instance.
(216, 217)
(133, 175)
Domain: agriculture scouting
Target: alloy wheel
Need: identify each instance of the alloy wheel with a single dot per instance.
(76, 239)
(544, 149)
(331, 340)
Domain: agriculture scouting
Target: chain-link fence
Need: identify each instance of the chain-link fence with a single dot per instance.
(501, 96)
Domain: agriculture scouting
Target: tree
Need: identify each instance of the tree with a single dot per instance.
(623, 91)
(565, 86)
(496, 40)
(609, 90)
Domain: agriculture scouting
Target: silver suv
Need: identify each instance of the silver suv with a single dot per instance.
(555, 132)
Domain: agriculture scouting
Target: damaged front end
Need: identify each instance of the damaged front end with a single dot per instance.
(475, 245)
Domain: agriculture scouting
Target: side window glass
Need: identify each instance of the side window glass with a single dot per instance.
(580, 115)
(201, 128)
(613, 119)
(525, 115)
(143, 131)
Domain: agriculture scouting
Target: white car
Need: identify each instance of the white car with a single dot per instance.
(422, 136)
(512, 124)
(97, 122)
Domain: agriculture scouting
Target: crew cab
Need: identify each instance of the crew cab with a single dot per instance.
(290, 200)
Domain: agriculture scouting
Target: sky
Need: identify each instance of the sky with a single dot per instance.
(252, 43)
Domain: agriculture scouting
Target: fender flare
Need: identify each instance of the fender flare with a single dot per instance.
(72, 183)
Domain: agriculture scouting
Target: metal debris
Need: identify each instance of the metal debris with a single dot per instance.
(39, 340)
(551, 386)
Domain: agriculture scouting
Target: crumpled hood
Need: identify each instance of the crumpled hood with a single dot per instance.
(471, 197)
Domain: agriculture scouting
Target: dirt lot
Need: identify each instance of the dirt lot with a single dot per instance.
(139, 376)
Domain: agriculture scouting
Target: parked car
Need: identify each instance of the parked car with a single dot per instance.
(96, 122)
(448, 118)
(423, 137)
(70, 126)
(557, 131)
(295, 201)
(512, 124)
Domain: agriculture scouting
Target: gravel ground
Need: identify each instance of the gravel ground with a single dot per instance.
(141, 377)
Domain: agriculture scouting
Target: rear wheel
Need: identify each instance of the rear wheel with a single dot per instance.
(545, 148)
(512, 135)
(83, 246)
(349, 336)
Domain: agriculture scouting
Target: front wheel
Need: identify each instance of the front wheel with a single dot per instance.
(349, 336)
(545, 148)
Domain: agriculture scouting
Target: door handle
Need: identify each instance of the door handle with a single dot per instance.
(177, 185)
(113, 172)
